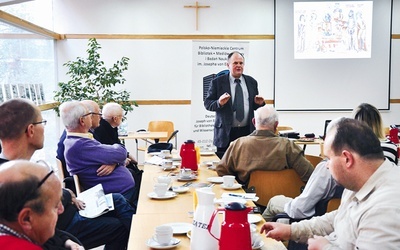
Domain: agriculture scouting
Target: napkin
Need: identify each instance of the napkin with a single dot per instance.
(155, 160)
(246, 196)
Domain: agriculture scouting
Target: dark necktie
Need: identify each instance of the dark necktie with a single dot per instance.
(238, 102)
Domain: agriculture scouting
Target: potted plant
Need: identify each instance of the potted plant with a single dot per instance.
(91, 80)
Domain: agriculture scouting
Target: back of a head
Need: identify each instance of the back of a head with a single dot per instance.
(356, 136)
(266, 117)
(16, 115)
(92, 106)
(111, 109)
(371, 116)
(70, 113)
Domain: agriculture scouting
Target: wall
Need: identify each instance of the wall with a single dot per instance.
(160, 69)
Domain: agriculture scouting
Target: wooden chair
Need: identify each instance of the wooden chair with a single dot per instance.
(60, 172)
(333, 204)
(270, 183)
(282, 128)
(315, 160)
(77, 185)
(159, 126)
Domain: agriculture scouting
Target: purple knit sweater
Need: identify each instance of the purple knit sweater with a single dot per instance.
(84, 156)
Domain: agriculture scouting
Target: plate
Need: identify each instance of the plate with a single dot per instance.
(215, 180)
(154, 153)
(208, 163)
(176, 163)
(168, 169)
(154, 244)
(207, 153)
(180, 189)
(189, 234)
(180, 227)
(253, 218)
(235, 186)
(168, 195)
(258, 246)
(190, 178)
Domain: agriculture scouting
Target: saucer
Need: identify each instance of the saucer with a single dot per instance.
(179, 227)
(167, 195)
(217, 180)
(253, 218)
(188, 178)
(154, 153)
(258, 246)
(168, 169)
(235, 186)
(154, 244)
(180, 189)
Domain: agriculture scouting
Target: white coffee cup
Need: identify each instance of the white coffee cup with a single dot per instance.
(164, 179)
(163, 235)
(283, 220)
(160, 189)
(165, 153)
(186, 173)
(215, 164)
(229, 180)
(167, 164)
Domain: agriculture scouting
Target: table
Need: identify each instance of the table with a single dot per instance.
(151, 213)
(319, 142)
(144, 135)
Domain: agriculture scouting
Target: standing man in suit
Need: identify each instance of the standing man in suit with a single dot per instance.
(233, 117)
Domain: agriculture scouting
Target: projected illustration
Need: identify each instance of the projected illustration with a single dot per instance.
(332, 29)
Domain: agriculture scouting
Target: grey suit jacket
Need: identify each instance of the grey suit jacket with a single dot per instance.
(224, 114)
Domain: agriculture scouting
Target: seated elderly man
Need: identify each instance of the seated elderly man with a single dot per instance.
(30, 197)
(84, 155)
(263, 150)
(107, 131)
(22, 133)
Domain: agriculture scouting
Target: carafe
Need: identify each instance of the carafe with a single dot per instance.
(188, 155)
(235, 229)
(201, 238)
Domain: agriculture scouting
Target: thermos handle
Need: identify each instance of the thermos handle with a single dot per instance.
(211, 222)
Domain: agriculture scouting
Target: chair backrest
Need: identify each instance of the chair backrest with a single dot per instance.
(77, 184)
(161, 126)
(282, 128)
(314, 159)
(60, 172)
(270, 183)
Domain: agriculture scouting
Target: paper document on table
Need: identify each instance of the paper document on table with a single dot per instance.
(97, 203)
(155, 160)
(247, 196)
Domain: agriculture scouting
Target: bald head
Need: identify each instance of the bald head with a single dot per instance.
(94, 108)
(29, 194)
(266, 118)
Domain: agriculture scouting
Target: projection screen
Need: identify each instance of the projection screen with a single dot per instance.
(332, 55)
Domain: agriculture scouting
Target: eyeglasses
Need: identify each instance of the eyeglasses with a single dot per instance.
(90, 113)
(31, 195)
(99, 114)
(44, 122)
